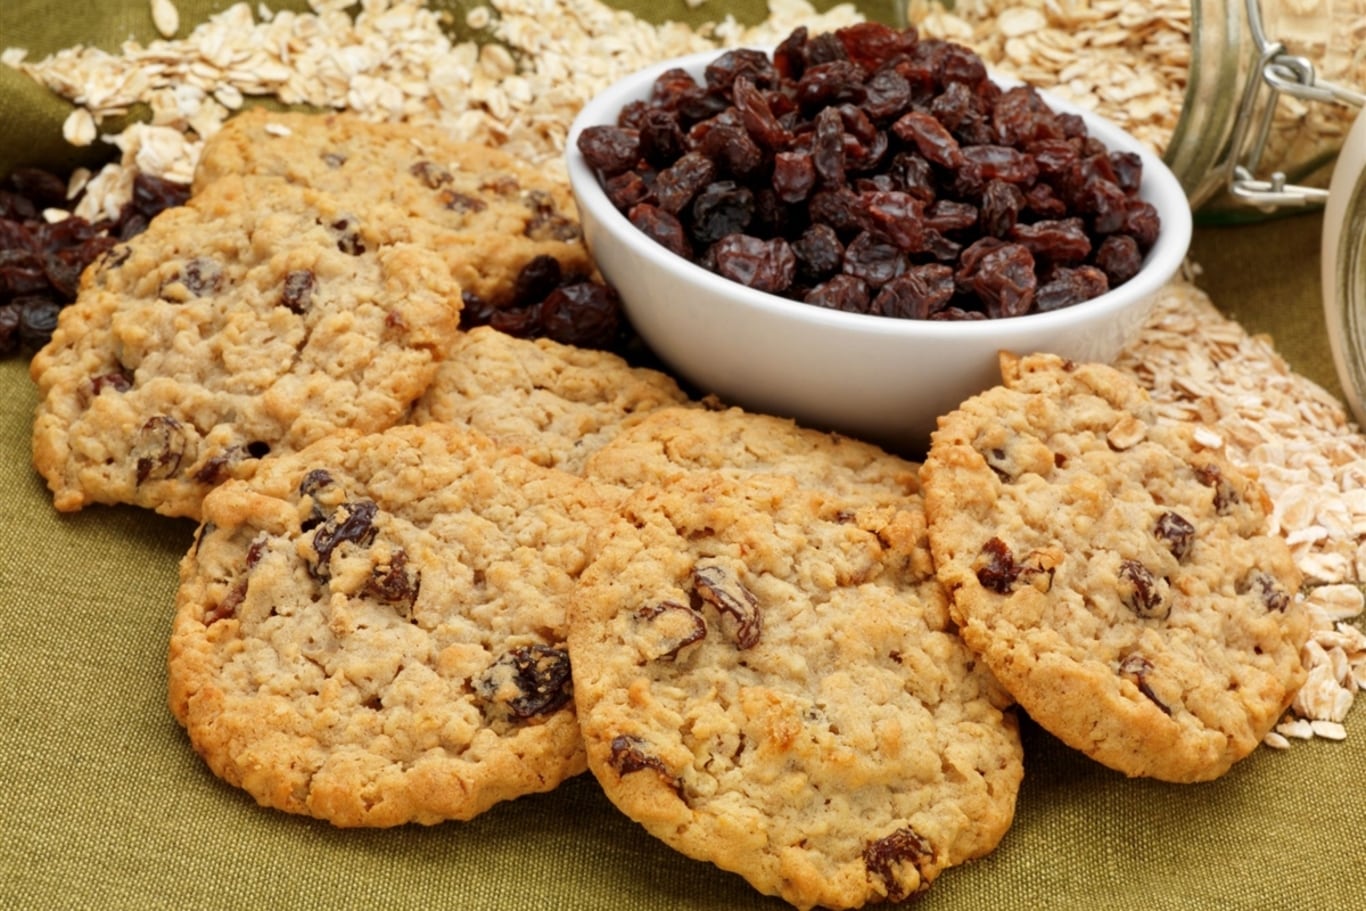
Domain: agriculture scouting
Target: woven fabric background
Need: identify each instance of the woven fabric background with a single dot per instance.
(103, 804)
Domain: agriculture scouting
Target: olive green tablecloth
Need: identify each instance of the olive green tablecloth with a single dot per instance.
(104, 805)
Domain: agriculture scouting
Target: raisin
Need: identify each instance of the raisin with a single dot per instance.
(1225, 494)
(996, 567)
(352, 521)
(432, 175)
(917, 293)
(720, 209)
(37, 321)
(1176, 532)
(609, 149)
(678, 625)
(757, 116)
(794, 175)
(1119, 258)
(931, 138)
(663, 227)
(841, 292)
(393, 582)
(718, 586)
(1139, 591)
(1066, 286)
(537, 278)
(827, 148)
(819, 252)
(529, 680)
(547, 222)
(677, 184)
(118, 380)
(585, 314)
(886, 857)
(1268, 590)
(897, 216)
(162, 444)
(1000, 209)
(463, 203)
(1004, 280)
(297, 291)
(628, 755)
(1135, 668)
(347, 234)
(874, 259)
(765, 265)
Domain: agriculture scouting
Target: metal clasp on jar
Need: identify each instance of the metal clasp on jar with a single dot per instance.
(1281, 73)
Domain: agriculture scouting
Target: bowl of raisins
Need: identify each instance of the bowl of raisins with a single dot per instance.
(847, 228)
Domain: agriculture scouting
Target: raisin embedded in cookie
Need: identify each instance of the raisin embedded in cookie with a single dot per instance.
(1117, 578)
(372, 631)
(253, 321)
(555, 404)
(770, 682)
(500, 225)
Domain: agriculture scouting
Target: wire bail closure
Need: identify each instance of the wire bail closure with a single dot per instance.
(1277, 72)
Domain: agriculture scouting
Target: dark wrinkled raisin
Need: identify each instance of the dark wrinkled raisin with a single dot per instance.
(547, 222)
(529, 680)
(352, 521)
(1136, 668)
(1139, 591)
(1266, 588)
(765, 265)
(538, 277)
(917, 293)
(886, 857)
(628, 755)
(1003, 279)
(996, 567)
(1064, 287)
(118, 380)
(819, 253)
(432, 175)
(720, 209)
(461, 202)
(348, 236)
(161, 445)
(679, 625)
(586, 314)
(931, 138)
(1225, 495)
(663, 227)
(609, 149)
(393, 582)
(841, 292)
(794, 175)
(1176, 532)
(9, 327)
(1119, 258)
(1056, 240)
(297, 291)
(716, 585)
(676, 185)
(874, 259)
(37, 321)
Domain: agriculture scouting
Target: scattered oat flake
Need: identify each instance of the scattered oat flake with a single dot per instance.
(165, 17)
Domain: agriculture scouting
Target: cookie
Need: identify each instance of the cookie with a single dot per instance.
(1115, 575)
(253, 321)
(555, 404)
(372, 631)
(488, 214)
(675, 441)
(770, 682)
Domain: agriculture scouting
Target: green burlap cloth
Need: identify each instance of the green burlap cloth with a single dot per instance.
(103, 804)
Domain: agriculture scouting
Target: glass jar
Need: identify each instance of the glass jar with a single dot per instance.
(1273, 89)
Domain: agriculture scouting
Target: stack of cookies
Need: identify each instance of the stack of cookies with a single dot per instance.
(438, 569)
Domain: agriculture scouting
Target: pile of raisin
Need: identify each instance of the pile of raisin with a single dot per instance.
(868, 170)
(41, 262)
(547, 302)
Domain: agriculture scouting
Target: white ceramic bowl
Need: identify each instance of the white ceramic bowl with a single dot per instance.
(873, 377)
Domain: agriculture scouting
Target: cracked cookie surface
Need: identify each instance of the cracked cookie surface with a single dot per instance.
(486, 213)
(254, 320)
(372, 631)
(1116, 576)
(555, 404)
(767, 679)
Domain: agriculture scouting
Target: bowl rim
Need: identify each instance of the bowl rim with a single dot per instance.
(1159, 184)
